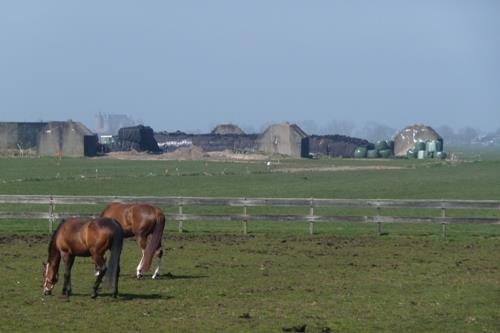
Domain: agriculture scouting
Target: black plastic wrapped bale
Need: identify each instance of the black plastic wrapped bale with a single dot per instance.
(140, 138)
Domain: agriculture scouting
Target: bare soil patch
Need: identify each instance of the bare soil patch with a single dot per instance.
(186, 154)
(336, 168)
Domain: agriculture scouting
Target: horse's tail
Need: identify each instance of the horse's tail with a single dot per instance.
(113, 271)
(154, 240)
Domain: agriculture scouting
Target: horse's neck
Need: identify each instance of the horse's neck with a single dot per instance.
(54, 258)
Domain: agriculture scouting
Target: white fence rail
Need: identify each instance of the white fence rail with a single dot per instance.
(244, 203)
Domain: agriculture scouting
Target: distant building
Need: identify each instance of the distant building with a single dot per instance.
(57, 138)
(332, 145)
(237, 143)
(285, 139)
(225, 129)
(409, 136)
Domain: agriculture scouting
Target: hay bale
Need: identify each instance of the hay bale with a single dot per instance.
(139, 138)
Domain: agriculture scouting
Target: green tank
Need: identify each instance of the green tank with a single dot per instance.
(439, 145)
(441, 155)
(372, 153)
(430, 146)
(360, 152)
(385, 153)
(381, 145)
(411, 153)
(420, 145)
(390, 145)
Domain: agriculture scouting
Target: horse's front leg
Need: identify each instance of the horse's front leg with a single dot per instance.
(68, 264)
(101, 270)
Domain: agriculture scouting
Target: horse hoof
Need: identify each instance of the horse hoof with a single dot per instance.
(94, 295)
(140, 276)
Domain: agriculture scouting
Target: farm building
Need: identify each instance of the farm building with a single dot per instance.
(408, 137)
(285, 139)
(225, 129)
(66, 138)
(332, 145)
(139, 138)
(241, 143)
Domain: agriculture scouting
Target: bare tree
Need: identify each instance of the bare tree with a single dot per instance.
(343, 127)
(374, 131)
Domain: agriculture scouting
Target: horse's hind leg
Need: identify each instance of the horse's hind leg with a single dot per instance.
(101, 270)
(115, 291)
(142, 244)
(68, 264)
(159, 254)
(138, 271)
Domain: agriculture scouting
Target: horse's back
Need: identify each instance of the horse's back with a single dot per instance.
(133, 217)
(82, 237)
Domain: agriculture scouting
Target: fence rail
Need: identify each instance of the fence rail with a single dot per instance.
(311, 203)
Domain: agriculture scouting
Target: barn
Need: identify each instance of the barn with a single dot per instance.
(409, 136)
(284, 139)
(332, 145)
(66, 138)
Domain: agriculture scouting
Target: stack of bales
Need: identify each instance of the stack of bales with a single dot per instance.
(427, 149)
(419, 141)
(381, 149)
(139, 138)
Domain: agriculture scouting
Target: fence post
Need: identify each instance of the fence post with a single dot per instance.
(379, 224)
(51, 214)
(180, 220)
(311, 214)
(443, 224)
(245, 220)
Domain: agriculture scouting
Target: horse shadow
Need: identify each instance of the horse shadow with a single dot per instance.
(131, 297)
(121, 296)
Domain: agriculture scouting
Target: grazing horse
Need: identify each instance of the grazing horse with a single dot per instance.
(144, 222)
(84, 238)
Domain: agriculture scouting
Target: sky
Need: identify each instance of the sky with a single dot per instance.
(190, 65)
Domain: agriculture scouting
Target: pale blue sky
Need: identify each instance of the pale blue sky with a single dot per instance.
(192, 64)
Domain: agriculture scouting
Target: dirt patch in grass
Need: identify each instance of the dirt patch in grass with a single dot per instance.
(186, 154)
(337, 168)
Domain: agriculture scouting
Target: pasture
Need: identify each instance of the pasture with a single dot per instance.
(345, 278)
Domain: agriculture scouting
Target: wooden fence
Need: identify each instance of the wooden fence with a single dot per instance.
(180, 202)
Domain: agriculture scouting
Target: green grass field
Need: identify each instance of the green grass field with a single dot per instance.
(345, 278)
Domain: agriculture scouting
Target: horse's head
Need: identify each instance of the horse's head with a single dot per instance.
(49, 278)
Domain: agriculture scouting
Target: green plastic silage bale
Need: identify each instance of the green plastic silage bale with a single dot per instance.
(372, 153)
(381, 145)
(360, 152)
(411, 153)
(385, 153)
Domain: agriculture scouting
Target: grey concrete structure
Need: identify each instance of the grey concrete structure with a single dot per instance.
(285, 139)
(67, 138)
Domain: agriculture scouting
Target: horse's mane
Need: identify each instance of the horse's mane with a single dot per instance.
(54, 234)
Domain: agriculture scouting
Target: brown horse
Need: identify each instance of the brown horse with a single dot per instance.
(144, 222)
(83, 238)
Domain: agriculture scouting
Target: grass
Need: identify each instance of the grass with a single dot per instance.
(345, 278)
(345, 281)
(418, 179)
